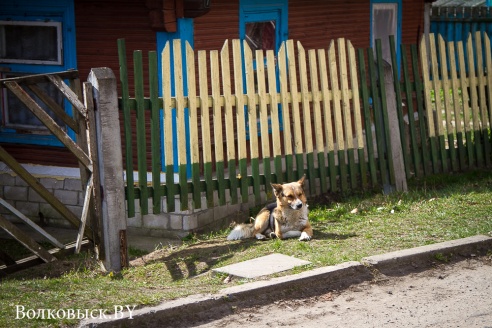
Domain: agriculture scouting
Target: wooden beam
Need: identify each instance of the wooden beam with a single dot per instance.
(40, 78)
(57, 109)
(31, 223)
(25, 240)
(68, 93)
(49, 123)
(41, 190)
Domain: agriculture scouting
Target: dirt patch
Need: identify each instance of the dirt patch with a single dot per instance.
(446, 295)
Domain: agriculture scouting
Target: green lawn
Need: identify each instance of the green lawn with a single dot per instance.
(346, 228)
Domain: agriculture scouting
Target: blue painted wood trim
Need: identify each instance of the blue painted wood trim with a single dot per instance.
(185, 32)
(57, 10)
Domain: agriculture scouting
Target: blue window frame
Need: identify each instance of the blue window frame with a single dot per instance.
(386, 18)
(52, 20)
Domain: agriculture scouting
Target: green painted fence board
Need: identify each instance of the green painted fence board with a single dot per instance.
(130, 189)
(155, 132)
(414, 148)
(366, 110)
(141, 131)
(376, 105)
(420, 108)
(399, 103)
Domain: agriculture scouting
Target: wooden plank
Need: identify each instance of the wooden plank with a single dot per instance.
(466, 105)
(33, 225)
(283, 74)
(193, 118)
(436, 84)
(40, 78)
(5, 258)
(327, 114)
(428, 104)
(456, 104)
(34, 260)
(474, 102)
(337, 115)
(488, 61)
(253, 129)
(447, 102)
(274, 115)
(411, 120)
(217, 123)
(240, 119)
(141, 132)
(25, 240)
(484, 119)
(205, 120)
(420, 108)
(68, 93)
(384, 108)
(318, 123)
(181, 132)
(399, 104)
(306, 111)
(347, 115)
(130, 187)
(378, 124)
(367, 118)
(85, 213)
(354, 86)
(155, 137)
(264, 120)
(49, 123)
(40, 189)
(229, 121)
(296, 117)
(167, 109)
(53, 105)
(95, 214)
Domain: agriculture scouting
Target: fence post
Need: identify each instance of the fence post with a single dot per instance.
(110, 168)
(394, 127)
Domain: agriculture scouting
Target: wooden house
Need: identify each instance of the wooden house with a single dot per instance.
(41, 36)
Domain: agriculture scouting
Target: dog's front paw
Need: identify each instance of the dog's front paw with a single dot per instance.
(272, 235)
(304, 236)
(259, 236)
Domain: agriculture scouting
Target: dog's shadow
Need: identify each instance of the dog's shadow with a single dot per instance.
(334, 236)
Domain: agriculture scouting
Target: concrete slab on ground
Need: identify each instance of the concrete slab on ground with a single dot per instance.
(262, 266)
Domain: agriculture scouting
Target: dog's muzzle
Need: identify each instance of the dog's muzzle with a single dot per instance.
(297, 205)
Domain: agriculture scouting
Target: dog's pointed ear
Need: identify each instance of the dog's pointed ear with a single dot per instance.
(277, 189)
(301, 181)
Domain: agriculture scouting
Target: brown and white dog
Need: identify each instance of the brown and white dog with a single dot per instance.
(287, 218)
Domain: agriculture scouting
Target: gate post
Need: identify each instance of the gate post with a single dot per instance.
(394, 127)
(110, 162)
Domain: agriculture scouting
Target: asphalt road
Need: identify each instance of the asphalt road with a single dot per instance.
(448, 295)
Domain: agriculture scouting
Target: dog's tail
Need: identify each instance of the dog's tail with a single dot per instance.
(241, 231)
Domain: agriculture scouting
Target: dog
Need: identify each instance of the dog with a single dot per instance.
(286, 218)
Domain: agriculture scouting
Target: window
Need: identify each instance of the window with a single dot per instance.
(36, 37)
(30, 42)
(261, 35)
(18, 116)
(386, 21)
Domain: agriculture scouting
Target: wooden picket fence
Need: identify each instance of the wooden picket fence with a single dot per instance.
(311, 122)
(247, 120)
(447, 87)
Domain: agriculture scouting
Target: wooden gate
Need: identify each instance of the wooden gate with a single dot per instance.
(84, 149)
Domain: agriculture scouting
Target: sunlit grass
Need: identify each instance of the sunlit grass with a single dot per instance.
(436, 209)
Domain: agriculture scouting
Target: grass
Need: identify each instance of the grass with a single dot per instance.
(433, 210)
